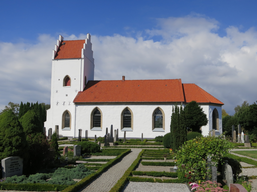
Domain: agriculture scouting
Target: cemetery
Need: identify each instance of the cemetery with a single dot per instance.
(182, 160)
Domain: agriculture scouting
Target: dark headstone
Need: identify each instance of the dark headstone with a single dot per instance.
(77, 150)
(95, 138)
(124, 136)
(142, 137)
(12, 166)
(65, 151)
(111, 136)
(80, 134)
(115, 136)
(57, 131)
(86, 134)
(44, 130)
(50, 133)
(106, 131)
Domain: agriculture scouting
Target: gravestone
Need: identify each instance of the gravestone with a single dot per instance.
(50, 133)
(77, 150)
(106, 131)
(115, 136)
(12, 166)
(44, 130)
(106, 143)
(142, 138)
(57, 131)
(111, 136)
(95, 138)
(86, 134)
(236, 188)
(234, 136)
(228, 174)
(117, 139)
(247, 141)
(65, 151)
(108, 138)
(212, 169)
(239, 133)
(233, 128)
(124, 136)
(80, 134)
(242, 137)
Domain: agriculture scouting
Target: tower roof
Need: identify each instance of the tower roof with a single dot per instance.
(70, 49)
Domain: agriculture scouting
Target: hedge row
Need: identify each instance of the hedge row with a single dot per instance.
(93, 176)
(159, 163)
(122, 181)
(32, 187)
(153, 180)
(155, 174)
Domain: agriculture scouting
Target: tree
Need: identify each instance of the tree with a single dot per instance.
(12, 138)
(178, 127)
(195, 118)
(239, 108)
(224, 113)
(248, 118)
(54, 145)
(14, 107)
(30, 123)
(227, 123)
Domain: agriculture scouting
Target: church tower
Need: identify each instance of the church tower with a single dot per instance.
(72, 67)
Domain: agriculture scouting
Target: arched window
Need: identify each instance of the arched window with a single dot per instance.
(215, 119)
(66, 81)
(96, 120)
(126, 120)
(66, 120)
(158, 118)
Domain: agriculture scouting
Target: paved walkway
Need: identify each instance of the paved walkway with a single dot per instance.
(108, 179)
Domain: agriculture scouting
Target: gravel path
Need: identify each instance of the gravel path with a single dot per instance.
(108, 179)
(153, 187)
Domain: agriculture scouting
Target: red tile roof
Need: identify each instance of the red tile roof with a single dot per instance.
(70, 49)
(132, 91)
(169, 90)
(196, 93)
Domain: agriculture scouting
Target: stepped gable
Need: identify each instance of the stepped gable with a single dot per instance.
(70, 49)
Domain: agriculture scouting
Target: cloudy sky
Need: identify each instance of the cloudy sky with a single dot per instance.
(212, 43)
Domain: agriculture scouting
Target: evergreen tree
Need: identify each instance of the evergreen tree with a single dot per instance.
(12, 138)
(195, 117)
(54, 146)
(30, 123)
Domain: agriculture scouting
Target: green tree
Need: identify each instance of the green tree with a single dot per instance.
(54, 146)
(239, 108)
(248, 118)
(195, 118)
(224, 113)
(14, 107)
(30, 123)
(12, 138)
(178, 127)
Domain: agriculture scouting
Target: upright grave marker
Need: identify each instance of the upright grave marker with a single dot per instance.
(111, 136)
(115, 136)
(124, 136)
(12, 166)
(50, 133)
(86, 134)
(80, 134)
(234, 136)
(65, 151)
(57, 131)
(239, 133)
(77, 150)
(247, 141)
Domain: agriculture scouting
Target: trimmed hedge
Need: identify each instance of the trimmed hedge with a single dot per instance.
(122, 181)
(32, 187)
(158, 163)
(154, 180)
(89, 147)
(78, 186)
(159, 139)
(155, 174)
(167, 141)
(192, 135)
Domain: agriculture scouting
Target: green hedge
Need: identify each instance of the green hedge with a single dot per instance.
(122, 181)
(159, 163)
(155, 174)
(31, 187)
(192, 135)
(167, 141)
(154, 180)
(78, 186)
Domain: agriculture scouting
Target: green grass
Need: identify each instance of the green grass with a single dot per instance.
(252, 154)
(243, 159)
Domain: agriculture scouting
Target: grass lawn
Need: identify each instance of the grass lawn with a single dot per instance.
(252, 154)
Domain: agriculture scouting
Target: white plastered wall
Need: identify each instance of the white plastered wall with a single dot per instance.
(111, 115)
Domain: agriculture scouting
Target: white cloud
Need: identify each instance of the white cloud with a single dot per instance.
(189, 49)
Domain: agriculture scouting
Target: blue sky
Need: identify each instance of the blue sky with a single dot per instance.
(208, 42)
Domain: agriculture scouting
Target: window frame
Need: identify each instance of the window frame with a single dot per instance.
(92, 120)
(158, 129)
(122, 120)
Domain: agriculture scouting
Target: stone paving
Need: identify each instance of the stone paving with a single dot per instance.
(108, 179)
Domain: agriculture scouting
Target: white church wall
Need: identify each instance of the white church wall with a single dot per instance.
(111, 115)
(205, 129)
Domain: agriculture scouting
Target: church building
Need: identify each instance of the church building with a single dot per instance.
(78, 102)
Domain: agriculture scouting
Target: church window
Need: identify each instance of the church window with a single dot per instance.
(158, 118)
(66, 81)
(126, 122)
(66, 120)
(96, 120)
(215, 119)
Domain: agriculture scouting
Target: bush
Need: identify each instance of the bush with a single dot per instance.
(193, 154)
(192, 135)
(101, 139)
(167, 141)
(89, 147)
(159, 139)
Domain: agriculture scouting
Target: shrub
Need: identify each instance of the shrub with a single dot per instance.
(101, 139)
(193, 155)
(159, 139)
(89, 147)
(167, 141)
(192, 135)
(54, 146)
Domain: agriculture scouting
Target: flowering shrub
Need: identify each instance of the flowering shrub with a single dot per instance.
(207, 186)
(192, 156)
